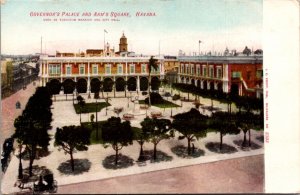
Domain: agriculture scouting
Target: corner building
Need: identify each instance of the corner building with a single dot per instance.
(241, 75)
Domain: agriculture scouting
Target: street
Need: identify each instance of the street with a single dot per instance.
(240, 175)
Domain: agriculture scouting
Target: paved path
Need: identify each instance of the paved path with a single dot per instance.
(239, 175)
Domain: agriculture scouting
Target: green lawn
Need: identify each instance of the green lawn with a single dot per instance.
(93, 128)
(90, 107)
(165, 104)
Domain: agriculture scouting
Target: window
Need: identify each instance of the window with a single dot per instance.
(211, 71)
(219, 72)
(50, 69)
(204, 71)
(107, 69)
(120, 68)
(182, 68)
(259, 74)
(81, 69)
(192, 69)
(58, 68)
(144, 68)
(132, 69)
(236, 75)
(186, 69)
(94, 69)
(68, 70)
(198, 70)
(54, 69)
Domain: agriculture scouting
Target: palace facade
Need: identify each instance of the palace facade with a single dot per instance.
(88, 69)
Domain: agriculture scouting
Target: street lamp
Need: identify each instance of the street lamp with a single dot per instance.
(106, 99)
(97, 120)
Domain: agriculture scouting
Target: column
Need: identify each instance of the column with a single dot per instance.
(47, 66)
(61, 71)
(89, 83)
(44, 69)
(138, 83)
(126, 69)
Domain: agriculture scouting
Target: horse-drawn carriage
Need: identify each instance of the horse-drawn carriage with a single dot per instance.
(46, 184)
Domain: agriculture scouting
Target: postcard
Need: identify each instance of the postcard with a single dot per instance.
(163, 96)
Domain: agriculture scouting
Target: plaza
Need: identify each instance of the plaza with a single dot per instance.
(91, 160)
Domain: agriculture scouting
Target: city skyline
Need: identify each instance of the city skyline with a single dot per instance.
(177, 25)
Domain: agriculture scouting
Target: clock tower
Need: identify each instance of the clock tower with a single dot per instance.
(123, 44)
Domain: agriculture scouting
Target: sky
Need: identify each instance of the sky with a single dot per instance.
(177, 25)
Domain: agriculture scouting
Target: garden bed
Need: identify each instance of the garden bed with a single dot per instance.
(90, 107)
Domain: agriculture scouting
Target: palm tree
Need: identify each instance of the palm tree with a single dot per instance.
(152, 64)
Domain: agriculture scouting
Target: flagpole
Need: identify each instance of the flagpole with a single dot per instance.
(104, 43)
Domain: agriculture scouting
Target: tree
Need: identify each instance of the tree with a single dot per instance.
(152, 64)
(141, 137)
(224, 123)
(192, 125)
(157, 129)
(72, 139)
(247, 121)
(36, 121)
(117, 133)
(81, 103)
(54, 87)
(69, 87)
(258, 51)
(247, 51)
(19, 125)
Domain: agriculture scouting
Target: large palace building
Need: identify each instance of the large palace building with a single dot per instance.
(123, 70)
(242, 75)
(94, 66)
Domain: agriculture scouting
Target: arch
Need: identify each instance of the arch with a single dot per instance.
(81, 85)
(120, 84)
(220, 87)
(211, 86)
(69, 86)
(108, 85)
(187, 80)
(155, 82)
(143, 84)
(198, 83)
(95, 85)
(182, 79)
(234, 90)
(54, 86)
(205, 85)
(193, 82)
(131, 84)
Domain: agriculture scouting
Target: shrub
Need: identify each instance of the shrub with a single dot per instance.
(155, 99)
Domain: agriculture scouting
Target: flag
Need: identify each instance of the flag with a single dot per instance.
(105, 31)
